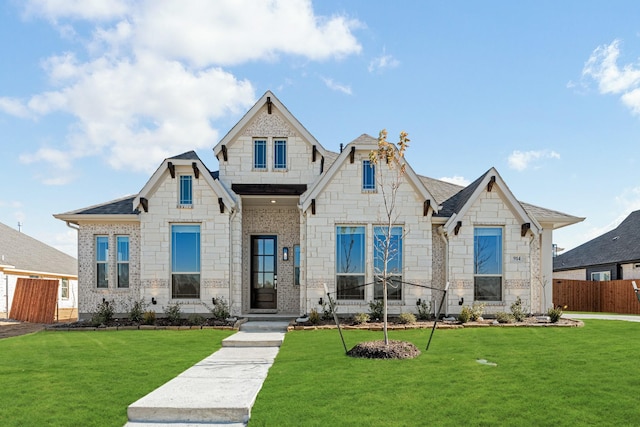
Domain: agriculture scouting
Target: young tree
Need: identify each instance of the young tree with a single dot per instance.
(390, 170)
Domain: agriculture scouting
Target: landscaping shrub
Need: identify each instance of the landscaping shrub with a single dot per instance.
(220, 310)
(361, 318)
(518, 310)
(424, 310)
(465, 314)
(376, 310)
(149, 317)
(173, 312)
(136, 312)
(195, 319)
(555, 314)
(103, 314)
(477, 308)
(327, 308)
(503, 317)
(314, 317)
(407, 318)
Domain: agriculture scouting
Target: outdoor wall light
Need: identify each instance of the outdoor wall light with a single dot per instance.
(461, 301)
(213, 300)
(419, 301)
(285, 254)
(320, 301)
(153, 300)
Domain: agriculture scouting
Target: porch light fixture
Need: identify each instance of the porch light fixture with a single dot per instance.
(320, 301)
(213, 300)
(419, 301)
(273, 201)
(285, 254)
(461, 301)
(153, 300)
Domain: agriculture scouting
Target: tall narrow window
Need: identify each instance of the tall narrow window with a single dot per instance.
(487, 264)
(259, 154)
(64, 288)
(186, 190)
(368, 176)
(102, 261)
(122, 242)
(392, 246)
(296, 265)
(350, 262)
(280, 154)
(185, 261)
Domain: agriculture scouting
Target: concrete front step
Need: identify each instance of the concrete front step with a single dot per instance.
(254, 339)
(265, 326)
(220, 389)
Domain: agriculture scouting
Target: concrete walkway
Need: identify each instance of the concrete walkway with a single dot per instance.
(219, 390)
(625, 317)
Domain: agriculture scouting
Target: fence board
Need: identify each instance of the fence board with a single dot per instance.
(615, 296)
(35, 300)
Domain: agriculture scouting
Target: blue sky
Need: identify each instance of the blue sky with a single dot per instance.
(94, 95)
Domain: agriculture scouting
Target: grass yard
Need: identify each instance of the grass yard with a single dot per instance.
(586, 376)
(90, 378)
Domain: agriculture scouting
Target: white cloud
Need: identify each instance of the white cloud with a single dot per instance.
(522, 160)
(383, 62)
(336, 86)
(602, 67)
(153, 82)
(457, 180)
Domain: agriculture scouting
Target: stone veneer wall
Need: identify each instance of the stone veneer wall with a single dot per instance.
(89, 296)
(285, 224)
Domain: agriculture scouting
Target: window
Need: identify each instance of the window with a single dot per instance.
(296, 265)
(122, 243)
(64, 288)
(280, 154)
(102, 264)
(185, 261)
(487, 267)
(600, 276)
(368, 176)
(394, 262)
(350, 262)
(259, 154)
(186, 190)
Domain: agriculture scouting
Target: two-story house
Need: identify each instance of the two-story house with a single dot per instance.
(283, 216)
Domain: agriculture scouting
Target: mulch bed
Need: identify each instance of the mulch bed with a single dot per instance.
(14, 329)
(378, 350)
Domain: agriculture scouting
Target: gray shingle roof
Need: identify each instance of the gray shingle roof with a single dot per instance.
(122, 206)
(189, 155)
(26, 253)
(455, 202)
(621, 245)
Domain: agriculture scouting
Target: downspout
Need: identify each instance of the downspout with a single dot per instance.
(73, 226)
(443, 236)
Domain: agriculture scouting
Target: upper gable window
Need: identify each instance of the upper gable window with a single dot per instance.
(259, 153)
(280, 154)
(186, 190)
(368, 176)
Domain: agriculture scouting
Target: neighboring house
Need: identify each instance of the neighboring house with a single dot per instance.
(283, 216)
(614, 255)
(26, 257)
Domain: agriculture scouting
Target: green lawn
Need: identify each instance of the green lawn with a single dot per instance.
(90, 378)
(586, 376)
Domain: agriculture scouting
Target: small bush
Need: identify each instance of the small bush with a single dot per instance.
(173, 313)
(555, 314)
(503, 317)
(424, 310)
(103, 314)
(477, 308)
(220, 310)
(361, 318)
(314, 317)
(136, 312)
(518, 310)
(149, 317)
(327, 308)
(376, 310)
(195, 319)
(465, 314)
(407, 318)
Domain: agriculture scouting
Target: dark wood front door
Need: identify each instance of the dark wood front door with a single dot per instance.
(264, 272)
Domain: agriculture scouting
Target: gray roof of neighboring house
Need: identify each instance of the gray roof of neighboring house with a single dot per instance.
(620, 245)
(26, 253)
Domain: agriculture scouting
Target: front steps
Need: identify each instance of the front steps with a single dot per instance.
(220, 389)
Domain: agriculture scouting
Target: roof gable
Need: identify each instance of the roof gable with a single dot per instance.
(457, 206)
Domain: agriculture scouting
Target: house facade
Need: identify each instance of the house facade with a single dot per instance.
(283, 217)
(22, 256)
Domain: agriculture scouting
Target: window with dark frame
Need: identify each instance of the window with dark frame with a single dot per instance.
(122, 244)
(102, 261)
(394, 262)
(186, 190)
(487, 269)
(296, 265)
(350, 262)
(259, 154)
(280, 154)
(368, 176)
(185, 261)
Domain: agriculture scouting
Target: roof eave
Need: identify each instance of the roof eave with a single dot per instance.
(77, 218)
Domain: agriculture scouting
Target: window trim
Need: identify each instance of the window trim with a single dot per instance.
(198, 261)
(183, 200)
(296, 265)
(259, 143)
(605, 272)
(64, 286)
(280, 144)
(368, 177)
(120, 262)
(392, 275)
(363, 260)
(99, 262)
(480, 276)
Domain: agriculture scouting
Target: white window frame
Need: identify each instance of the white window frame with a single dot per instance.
(596, 276)
(263, 143)
(183, 200)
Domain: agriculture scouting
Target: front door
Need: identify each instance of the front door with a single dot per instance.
(264, 272)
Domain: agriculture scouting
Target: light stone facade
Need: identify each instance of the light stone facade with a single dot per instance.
(271, 202)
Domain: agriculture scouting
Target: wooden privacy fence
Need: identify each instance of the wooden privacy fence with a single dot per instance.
(35, 300)
(615, 296)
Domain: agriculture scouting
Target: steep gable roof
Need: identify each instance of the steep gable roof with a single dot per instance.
(620, 245)
(368, 143)
(24, 253)
(274, 102)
